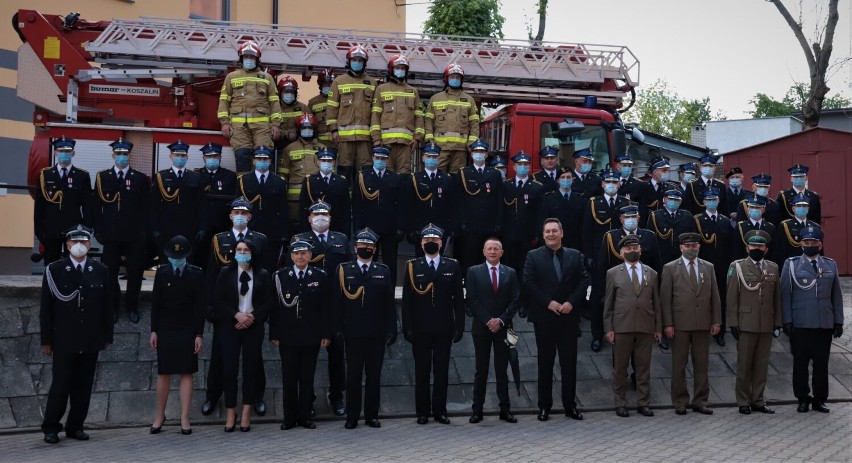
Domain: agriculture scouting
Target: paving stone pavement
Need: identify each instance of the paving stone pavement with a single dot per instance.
(725, 436)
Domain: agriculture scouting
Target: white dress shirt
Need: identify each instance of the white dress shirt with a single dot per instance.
(245, 301)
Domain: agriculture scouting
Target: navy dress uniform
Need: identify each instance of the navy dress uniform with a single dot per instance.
(602, 215)
(548, 179)
(299, 323)
(479, 207)
(268, 194)
(219, 186)
(752, 221)
(631, 187)
(432, 318)
(707, 165)
(522, 198)
(121, 193)
(330, 188)
(716, 231)
(61, 200)
(656, 190)
(76, 323)
(787, 241)
(586, 184)
(812, 312)
(668, 223)
(177, 203)
(566, 206)
(799, 177)
(428, 198)
(365, 316)
(772, 211)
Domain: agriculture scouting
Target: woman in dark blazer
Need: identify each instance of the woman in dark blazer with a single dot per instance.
(243, 298)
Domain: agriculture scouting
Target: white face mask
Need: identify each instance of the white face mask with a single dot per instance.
(79, 250)
(320, 222)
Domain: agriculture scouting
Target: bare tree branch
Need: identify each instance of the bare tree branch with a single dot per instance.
(797, 30)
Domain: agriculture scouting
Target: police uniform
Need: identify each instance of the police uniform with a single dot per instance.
(330, 188)
(521, 206)
(60, 202)
(479, 208)
(715, 230)
(702, 183)
(738, 241)
(220, 186)
(120, 195)
(786, 198)
(632, 188)
(428, 197)
(397, 121)
(298, 161)
(452, 122)
(300, 320)
(566, 206)
(667, 226)
(601, 216)
(772, 211)
(268, 194)
(76, 322)
(549, 180)
(586, 185)
(754, 312)
(348, 114)
(787, 241)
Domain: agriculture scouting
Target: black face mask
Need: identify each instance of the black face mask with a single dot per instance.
(632, 256)
(365, 253)
(756, 254)
(810, 251)
(431, 247)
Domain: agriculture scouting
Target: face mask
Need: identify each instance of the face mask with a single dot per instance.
(307, 133)
(177, 263)
(801, 212)
(262, 166)
(610, 188)
(431, 248)
(454, 83)
(762, 191)
(288, 98)
(690, 254)
(631, 224)
(399, 73)
(585, 168)
(364, 253)
(810, 251)
(380, 164)
(522, 171)
(240, 221)
(664, 176)
(249, 64)
(626, 171)
(478, 158)
(63, 158)
(242, 258)
(756, 254)
(502, 173)
(799, 182)
(711, 204)
(179, 161)
(735, 182)
(326, 167)
(707, 171)
(320, 222)
(212, 163)
(122, 160)
(672, 205)
(79, 250)
(632, 256)
(325, 90)
(356, 66)
(431, 163)
(755, 214)
(688, 178)
(565, 183)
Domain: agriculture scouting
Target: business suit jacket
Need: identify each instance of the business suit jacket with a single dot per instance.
(732, 200)
(439, 311)
(177, 303)
(381, 213)
(227, 294)
(84, 323)
(480, 205)
(785, 201)
(608, 257)
(684, 308)
(484, 304)
(627, 310)
(221, 255)
(55, 213)
(810, 299)
(221, 182)
(118, 209)
(302, 315)
(370, 314)
(541, 284)
(758, 310)
(335, 193)
(568, 211)
(269, 215)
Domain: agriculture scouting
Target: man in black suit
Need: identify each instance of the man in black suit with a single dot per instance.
(216, 181)
(734, 193)
(432, 317)
(76, 323)
(268, 193)
(522, 197)
(707, 166)
(121, 224)
(330, 188)
(632, 188)
(566, 206)
(493, 297)
(586, 183)
(548, 175)
(555, 281)
(428, 197)
(479, 206)
(715, 230)
(61, 200)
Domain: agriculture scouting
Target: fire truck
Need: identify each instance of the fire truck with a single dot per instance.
(155, 80)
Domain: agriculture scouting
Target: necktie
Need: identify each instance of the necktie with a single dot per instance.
(520, 184)
(708, 183)
(301, 274)
(244, 287)
(634, 277)
(432, 265)
(813, 262)
(737, 192)
(658, 187)
(262, 179)
(64, 173)
(177, 273)
(240, 236)
(692, 277)
(612, 202)
(479, 171)
(432, 176)
(623, 182)
(557, 265)
(180, 174)
(712, 218)
(553, 176)
(80, 268)
(494, 279)
(322, 238)
(565, 195)
(364, 268)
(326, 180)
(121, 176)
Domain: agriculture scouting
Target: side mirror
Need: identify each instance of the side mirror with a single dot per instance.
(619, 143)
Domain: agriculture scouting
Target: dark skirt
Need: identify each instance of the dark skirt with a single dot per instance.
(175, 352)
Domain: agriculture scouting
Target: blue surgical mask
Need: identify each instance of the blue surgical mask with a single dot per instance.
(522, 171)
(626, 171)
(711, 204)
(454, 83)
(565, 183)
(325, 90)
(288, 98)
(356, 66)
(177, 263)
(631, 223)
(399, 73)
(326, 167)
(762, 191)
(122, 160)
(478, 158)
(430, 163)
(687, 177)
(306, 133)
(706, 171)
(735, 182)
(261, 166)
(799, 182)
(179, 161)
(249, 63)
(610, 188)
(63, 158)
(664, 176)
(380, 164)
(585, 168)
(801, 212)
(755, 213)
(240, 221)
(672, 204)
(242, 258)
(212, 163)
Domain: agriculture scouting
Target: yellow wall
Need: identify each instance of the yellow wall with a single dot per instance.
(16, 233)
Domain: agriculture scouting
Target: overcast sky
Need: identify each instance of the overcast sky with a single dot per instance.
(727, 50)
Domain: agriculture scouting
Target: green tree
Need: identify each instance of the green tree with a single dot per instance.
(794, 100)
(660, 110)
(474, 18)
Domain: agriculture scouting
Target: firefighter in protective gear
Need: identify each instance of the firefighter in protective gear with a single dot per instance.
(452, 120)
(397, 119)
(249, 110)
(350, 100)
(298, 161)
(291, 108)
(318, 104)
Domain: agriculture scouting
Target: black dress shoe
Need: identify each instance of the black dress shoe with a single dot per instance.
(763, 409)
(680, 410)
(543, 415)
(645, 411)
(287, 426)
(820, 407)
(720, 339)
(745, 410)
(443, 419)
(622, 412)
(373, 423)
(245, 428)
(338, 408)
(186, 432)
(422, 420)
(155, 429)
(350, 424)
(134, 316)
(704, 410)
(574, 414)
(308, 424)
(596, 345)
(51, 438)
(260, 408)
(802, 408)
(80, 435)
(230, 429)
(476, 418)
(207, 407)
(507, 417)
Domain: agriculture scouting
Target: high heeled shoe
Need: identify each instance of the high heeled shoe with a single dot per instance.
(245, 428)
(186, 432)
(157, 429)
(230, 428)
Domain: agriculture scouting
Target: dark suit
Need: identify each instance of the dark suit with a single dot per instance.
(484, 303)
(587, 185)
(335, 193)
(548, 183)
(59, 205)
(716, 249)
(269, 215)
(480, 211)
(222, 182)
(785, 200)
(177, 208)
(376, 204)
(696, 190)
(732, 200)
(77, 329)
(245, 343)
(555, 332)
(521, 208)
(667, 227)
(568, 211)
(426, 201)
(638, 192)
(178, 307)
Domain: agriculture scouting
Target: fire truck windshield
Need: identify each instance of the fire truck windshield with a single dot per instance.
(591, 137)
